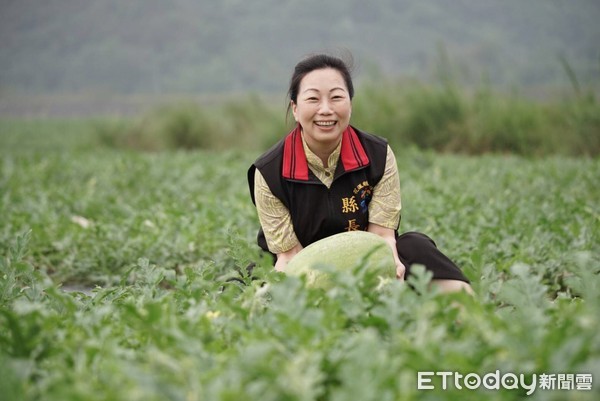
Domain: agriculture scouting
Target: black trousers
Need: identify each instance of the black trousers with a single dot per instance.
(417, 248)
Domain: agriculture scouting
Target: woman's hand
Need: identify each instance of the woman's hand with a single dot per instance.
(389, 236)
(400, 269)
(284, 257)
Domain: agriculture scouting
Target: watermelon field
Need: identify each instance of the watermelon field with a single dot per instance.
(122, 277)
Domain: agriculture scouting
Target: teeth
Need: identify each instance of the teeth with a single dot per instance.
(325, 123)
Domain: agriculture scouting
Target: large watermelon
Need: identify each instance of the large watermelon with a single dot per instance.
(344, 251)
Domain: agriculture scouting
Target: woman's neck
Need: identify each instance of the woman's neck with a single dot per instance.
(322, 150)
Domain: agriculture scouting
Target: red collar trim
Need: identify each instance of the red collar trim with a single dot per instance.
(353, 154)
(295, 166)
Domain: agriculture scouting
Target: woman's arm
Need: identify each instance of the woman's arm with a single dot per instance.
(275, 220)
(384, 209)
(389, 236)
(284, 257)
(386, 203)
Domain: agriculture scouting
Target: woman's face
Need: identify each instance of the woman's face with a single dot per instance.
(323, 107)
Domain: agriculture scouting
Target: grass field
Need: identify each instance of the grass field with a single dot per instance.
(156, 235)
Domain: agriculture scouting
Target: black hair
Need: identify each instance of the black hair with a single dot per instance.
(317, 62)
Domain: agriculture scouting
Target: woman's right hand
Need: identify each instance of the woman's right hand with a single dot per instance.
(284, 257)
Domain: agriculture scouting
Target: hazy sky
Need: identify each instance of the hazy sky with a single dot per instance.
(153, 46)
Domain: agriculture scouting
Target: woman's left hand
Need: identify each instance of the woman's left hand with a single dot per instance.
(389, 236)
(400, 270)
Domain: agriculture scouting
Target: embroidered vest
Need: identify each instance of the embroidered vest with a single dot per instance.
(317, 211)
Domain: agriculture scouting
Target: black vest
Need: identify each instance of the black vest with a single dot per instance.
(317, 211)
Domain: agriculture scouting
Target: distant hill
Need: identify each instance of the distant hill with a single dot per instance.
(192, 46)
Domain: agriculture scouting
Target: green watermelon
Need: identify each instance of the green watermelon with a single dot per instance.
(342, 252)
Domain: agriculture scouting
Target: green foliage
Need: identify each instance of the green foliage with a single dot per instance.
(509, 125)
(48, 135)
(583, 118)
(448, 119)
(435, 118)
(156, 247)
(131, 203)
(443, 118)
(180, 126)
(180, 337)
(245, 123)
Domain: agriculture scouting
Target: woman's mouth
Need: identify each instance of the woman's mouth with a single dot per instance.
(325, 123)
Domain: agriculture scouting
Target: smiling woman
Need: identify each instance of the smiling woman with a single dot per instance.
(323, 110)
(327, 177)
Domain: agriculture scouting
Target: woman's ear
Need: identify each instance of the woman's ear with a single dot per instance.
(294, 111)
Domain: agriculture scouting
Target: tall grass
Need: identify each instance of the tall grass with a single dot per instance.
(450, 119)
(240, 123)
(444, 118)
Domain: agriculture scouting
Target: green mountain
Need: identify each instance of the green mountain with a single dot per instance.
(200, 46)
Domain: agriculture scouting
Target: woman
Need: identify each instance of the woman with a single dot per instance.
(326, 177)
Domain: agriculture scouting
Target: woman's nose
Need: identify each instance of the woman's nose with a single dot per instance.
(325, 107)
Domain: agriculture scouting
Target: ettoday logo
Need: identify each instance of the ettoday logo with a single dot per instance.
(509, 381)
(472, 381)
